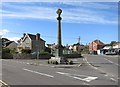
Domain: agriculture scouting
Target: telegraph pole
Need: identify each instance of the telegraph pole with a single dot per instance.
(79, 39)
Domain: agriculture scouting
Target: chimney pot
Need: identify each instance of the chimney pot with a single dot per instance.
(37, 36)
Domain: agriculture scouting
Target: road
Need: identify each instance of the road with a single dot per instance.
(90, 70)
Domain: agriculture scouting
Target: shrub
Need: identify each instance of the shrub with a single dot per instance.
(6, 50)
(56, 62)
(70, 62)
(72, 55)
(52, 62)
(28, 51)
(48, 62)
(13, 51)
(48, 50)
(44, 53)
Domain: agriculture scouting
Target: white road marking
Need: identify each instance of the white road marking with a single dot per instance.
(117, 64)
(83, 59)
(111, 62)
(113, 79)
(102, 70)
(106, 75)
(90, 64)
(5, 84)
(80, 65)
(27, 63)
(38, 73)
(87, 78)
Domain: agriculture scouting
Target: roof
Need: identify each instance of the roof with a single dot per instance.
(5, 39)
(12, 44)
(117, 43)
(50, 44)
(76, 44)
(7, 43)
(98, 42)
(33, 37)
(107, 47)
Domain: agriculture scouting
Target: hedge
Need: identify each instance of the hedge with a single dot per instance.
(72, 55)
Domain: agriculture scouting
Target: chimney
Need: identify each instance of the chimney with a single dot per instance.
(24, 34)
(37, 36)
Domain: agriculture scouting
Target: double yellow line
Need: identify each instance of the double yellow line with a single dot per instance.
(3, 84)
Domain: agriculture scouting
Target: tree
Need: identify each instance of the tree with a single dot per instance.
(6, 50)
(47, 50)
(13, 51)
(112, 43)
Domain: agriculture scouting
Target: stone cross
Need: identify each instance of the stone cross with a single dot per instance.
(59, 46)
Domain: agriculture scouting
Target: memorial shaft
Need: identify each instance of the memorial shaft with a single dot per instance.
(59, 31)
(59, 44)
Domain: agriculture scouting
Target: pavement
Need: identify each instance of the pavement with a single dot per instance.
(90, 70)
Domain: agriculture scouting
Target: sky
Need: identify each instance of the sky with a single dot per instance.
(89, 20)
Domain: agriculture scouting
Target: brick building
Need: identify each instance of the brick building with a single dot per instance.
(95, 45)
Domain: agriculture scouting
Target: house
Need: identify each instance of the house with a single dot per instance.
(111, 49)
(106, 48)
(4, 40)
(67, 50)
(31, 42)
(8, 44)
(116, 48)
(51, 47)
(116, 45)
(84, 49)
(95, 45)
(76, 47)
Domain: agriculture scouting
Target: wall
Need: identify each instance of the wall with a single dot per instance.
(38, 46)
(26, 44)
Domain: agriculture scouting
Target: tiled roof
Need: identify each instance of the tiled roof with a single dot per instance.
(76, 44)
(8, 43)
(5, 39)
(117, 43)
(98, 42)
(33, 37)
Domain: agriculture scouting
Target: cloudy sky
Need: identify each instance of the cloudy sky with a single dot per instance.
(89, 20)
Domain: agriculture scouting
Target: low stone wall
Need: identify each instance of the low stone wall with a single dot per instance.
(30, 56)
(7, 56)
(23, 56)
